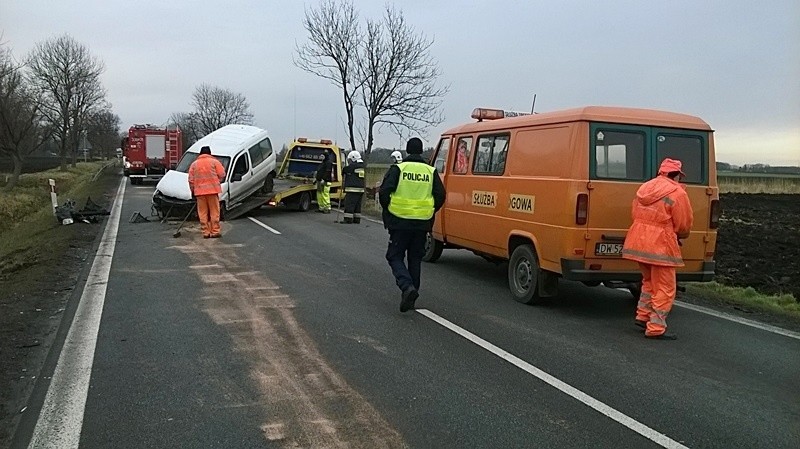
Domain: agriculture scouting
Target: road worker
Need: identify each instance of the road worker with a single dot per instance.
(323, 179)
(411, 193)
(662, 214)
(205, 176)
(354, 183)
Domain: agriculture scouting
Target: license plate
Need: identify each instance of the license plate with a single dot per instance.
(608, 249)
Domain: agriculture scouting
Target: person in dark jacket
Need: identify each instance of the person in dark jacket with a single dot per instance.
(354, 184)
(323, 179)
(411, 193)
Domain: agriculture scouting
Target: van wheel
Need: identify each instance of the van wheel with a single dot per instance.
(269, 184)
(222, 211)
(304, 202)
(523, 275)
(433, 248)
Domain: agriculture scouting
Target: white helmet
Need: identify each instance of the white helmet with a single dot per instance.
(354, 156)
(397, 157)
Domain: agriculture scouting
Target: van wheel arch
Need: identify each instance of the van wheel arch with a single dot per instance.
(524, 272)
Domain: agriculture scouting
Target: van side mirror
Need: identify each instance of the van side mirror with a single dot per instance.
(236, 177)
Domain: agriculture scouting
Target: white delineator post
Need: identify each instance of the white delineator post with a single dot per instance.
(53, 195)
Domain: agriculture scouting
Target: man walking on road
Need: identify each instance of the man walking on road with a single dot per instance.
(205, 176)
(354, 183)
(662, 214)
(323, 178)
(411, 193)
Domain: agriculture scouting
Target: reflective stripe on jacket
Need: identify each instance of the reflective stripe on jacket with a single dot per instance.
(413, 198)
(661, 211)
(205, 175)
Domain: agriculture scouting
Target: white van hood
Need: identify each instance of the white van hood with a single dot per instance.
(175, 184)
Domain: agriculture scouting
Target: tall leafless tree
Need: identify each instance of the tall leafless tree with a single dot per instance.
(331, 51)
(398, 74)
(102, 131)
(67, 77)
(385, 68)
(216, 107)
(21, 128)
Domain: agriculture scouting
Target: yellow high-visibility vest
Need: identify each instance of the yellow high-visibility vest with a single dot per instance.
(413, 198)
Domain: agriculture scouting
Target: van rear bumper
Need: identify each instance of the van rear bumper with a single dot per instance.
(575, 270)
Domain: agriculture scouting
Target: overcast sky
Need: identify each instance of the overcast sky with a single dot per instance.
(734, 63)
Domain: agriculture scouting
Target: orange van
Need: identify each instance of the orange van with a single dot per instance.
(551, 193)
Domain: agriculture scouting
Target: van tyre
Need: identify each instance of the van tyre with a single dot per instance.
(269, 184)
(433, 248)
(523, 275)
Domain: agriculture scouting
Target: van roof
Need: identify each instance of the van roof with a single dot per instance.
(228, 140)
(607, 114)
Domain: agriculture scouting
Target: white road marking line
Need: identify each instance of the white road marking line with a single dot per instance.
(200, 267)
(264, 226)
(372, 220)
(564, 387)
(61, 419)
(736, 319)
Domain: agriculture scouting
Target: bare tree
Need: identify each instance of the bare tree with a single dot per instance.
(398, 74)
(385, 68)
(331, 51)
(67, 78)
(21, 129)
(216, 107)
(102, 131)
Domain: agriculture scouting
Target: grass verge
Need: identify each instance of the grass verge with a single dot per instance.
(785, 305)
(31, 232)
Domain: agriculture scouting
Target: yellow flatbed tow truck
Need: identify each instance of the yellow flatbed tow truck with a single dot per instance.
(294, 185)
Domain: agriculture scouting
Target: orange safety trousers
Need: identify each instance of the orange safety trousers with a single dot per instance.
(658, 295)
(208, 212)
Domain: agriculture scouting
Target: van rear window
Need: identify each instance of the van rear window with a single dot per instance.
(687, 149)
(619, 155)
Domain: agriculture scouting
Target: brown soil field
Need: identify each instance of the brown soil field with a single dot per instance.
(758, 242)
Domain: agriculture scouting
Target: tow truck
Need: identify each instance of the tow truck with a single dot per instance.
(294, 185)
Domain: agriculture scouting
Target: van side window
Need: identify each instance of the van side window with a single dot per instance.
(490, 156)
(242, 166)
(463, 150)
(256, 157)
(266, 147)
(619, 154)
(441, 155)
(688, 149)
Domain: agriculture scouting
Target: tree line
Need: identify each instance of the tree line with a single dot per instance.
(53, 99)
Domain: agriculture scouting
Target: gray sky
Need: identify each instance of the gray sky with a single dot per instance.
(734, 63)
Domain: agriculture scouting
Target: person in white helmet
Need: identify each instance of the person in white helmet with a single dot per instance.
(397, 157)
(354, 183)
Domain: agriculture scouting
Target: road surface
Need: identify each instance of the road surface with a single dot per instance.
(287, 333)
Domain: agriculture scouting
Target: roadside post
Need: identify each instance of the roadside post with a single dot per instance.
(53, 195)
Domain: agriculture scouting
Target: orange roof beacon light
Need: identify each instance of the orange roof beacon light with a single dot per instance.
(481, 114)
(302, 140)
(326, 141)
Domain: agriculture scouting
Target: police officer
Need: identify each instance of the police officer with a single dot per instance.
(354, 184)
(411, 193)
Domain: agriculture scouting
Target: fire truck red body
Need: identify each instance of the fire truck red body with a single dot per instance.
(150, 151)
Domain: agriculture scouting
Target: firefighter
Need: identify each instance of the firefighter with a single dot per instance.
(397, 157)
(411, 193)
(205, 176)
(662, 215)
(354, 184)
(323, 179)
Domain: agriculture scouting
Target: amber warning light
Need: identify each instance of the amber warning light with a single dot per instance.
(481, 114)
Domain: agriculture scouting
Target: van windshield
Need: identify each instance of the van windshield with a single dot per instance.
(188, 158)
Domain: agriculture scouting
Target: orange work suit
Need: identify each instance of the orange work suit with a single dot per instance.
(205, 177)
(661, 214)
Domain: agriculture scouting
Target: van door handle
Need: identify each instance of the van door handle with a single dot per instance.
(613, 238)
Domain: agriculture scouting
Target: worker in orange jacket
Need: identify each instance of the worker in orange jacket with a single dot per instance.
(662, 214)
(205, 177)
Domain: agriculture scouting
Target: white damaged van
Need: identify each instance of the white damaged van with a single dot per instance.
(245, 152)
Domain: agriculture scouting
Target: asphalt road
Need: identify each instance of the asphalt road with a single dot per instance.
(289, 335)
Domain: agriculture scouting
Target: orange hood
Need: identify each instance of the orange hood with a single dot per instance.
(655, 189)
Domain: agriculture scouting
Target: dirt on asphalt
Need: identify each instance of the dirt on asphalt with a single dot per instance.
(758, 246)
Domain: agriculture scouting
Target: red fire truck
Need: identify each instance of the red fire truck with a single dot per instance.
(149, 151)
